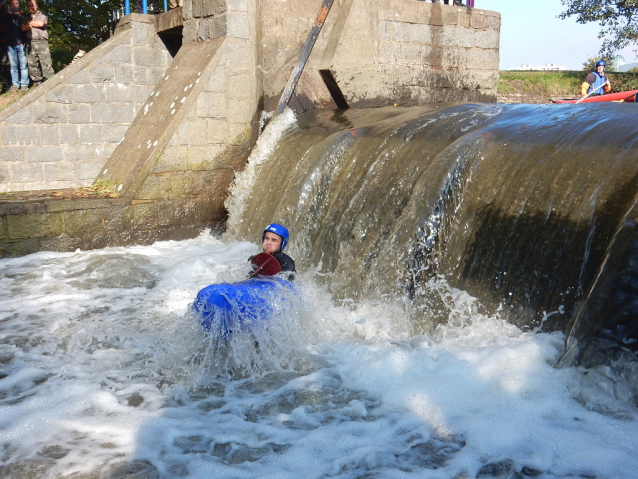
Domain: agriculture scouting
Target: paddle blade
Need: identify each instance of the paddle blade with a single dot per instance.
(265, 264)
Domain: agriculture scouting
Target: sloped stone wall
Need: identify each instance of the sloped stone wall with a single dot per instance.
(60, 134)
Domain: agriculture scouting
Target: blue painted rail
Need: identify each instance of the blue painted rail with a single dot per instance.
(127, 7)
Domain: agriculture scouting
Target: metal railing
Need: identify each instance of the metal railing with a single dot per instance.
(127, 7)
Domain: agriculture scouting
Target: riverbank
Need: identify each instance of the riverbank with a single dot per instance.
(513, 86)
(541, 87)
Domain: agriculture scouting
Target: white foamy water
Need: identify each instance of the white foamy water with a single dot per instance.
(105, 374)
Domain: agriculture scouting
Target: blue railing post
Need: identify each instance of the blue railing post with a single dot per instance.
(144, 7)
(165, 6)
(127, 7)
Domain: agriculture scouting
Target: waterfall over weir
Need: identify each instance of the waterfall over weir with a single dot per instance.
(383, 366)
(530, 208)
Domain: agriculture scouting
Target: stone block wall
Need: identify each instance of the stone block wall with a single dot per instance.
(173, 133)
(418, 53)
(61, 133)
(222, 125)
(219, 128)
(404, 52)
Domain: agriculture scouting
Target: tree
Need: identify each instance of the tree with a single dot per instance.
(590, 64)
(76, 25)
(618, 19)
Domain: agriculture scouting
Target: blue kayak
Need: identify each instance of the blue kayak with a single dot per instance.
(227, 308)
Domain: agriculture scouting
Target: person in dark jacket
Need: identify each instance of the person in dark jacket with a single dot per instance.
(273, 241)
(5, 71)
(35, 24)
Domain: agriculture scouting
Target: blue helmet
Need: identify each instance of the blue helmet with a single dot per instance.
(278, 230)
(601, 62)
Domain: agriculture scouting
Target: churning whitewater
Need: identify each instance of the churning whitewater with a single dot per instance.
(105, 373)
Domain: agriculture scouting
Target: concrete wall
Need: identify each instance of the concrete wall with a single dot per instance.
(172, 134)
(404, 52)
(61, 133)
(223, 124)
(416, 52)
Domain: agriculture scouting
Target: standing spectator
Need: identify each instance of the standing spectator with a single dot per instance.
(34, 24)
(15, 41)
(5, 74)
(154, 4)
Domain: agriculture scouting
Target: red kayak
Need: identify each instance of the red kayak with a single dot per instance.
(628, 96)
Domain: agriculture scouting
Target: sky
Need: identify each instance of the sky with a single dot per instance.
(532, 34)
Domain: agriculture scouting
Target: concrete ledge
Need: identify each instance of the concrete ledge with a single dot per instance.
(63, 224)
(168, 20)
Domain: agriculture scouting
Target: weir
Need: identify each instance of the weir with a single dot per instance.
(221, 64)
(531, 209)
(506, 203)
(383, 365)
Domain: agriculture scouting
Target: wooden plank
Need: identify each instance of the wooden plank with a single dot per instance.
(305, 53)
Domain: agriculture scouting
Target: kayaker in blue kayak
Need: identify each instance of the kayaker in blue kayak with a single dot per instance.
(273, 241)
(596, 83)
(228, 308)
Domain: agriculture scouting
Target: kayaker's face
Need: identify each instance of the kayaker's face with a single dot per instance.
(600, 69)
(272, 242)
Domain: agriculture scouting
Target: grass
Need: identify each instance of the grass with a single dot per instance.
(9, 97)
(557, 84)
(101, 189)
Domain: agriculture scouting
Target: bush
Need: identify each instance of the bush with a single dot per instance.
(623, 81)
(590, 64)
(61, 56)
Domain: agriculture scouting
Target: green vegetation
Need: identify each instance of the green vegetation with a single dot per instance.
(590, 64)
(546, 84)
(100, 189)
(561, 84)
(623, 81)
(8, 97)
(76, 25)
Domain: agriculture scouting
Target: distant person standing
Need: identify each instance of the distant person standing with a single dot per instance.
(15, 41)
(5, 72)
(596, 83)
(154, 4)
(35, 24)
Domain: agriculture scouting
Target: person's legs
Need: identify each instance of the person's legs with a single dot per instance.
(40, 63)
(34, 65)
(24, 72)
(13, 61)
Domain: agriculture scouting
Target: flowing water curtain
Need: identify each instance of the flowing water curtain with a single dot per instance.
(515, 204)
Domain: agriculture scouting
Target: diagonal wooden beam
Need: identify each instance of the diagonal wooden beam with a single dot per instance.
(305, 53)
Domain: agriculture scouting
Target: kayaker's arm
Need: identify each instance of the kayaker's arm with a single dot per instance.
(287, 264)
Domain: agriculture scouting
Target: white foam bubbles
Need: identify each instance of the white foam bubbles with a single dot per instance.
(103, 370)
